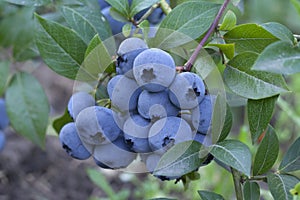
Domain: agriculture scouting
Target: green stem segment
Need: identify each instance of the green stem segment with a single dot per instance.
(237, 184)
(191, 61)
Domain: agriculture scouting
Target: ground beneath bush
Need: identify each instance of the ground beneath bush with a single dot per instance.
(30, 173)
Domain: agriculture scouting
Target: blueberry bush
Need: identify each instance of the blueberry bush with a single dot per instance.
(156, 84)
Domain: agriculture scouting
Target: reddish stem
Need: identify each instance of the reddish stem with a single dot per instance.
(191, 61)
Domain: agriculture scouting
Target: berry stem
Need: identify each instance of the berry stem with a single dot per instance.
(147, 14)
(237, 184)
(191, 61)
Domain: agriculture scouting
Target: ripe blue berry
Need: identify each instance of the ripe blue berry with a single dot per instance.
(154, 69)
(136, 130)
(202, 115)
(156, 105)
(4, 120)
(78, 102)
(103, 4)
(123, 92)
(2, 140)
(114, 155)
(96, 125)
(71, 142)
(169, 131)
(187, 90)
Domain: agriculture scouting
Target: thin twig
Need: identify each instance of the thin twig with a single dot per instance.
(237, 184)
(191, 61)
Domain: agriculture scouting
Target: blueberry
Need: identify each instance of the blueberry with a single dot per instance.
(151, 67)
(187, 90)
(136, 130)
(78, 102)
(71, 142)
(168, 131)
(114, 155)
(123, 92)
(131, 44)
(4, 120)
(103, 4)
(202, 115)
(156, 105)
(96, 125)
(127, 52)
(2, 140)
(125, 62)
(116, 26)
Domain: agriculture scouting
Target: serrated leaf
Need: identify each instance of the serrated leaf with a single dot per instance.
(227, 49)
(179, 160)
(250, 84)
(259, 115)
(267, 152)
(251, 191)
(60, 47)
(180, 27)
(96, 61)
(233, 153)
(291, 160)
(27, 107)
(61, 121)
(30, 2)
(249, 37)
(122, 6)
(138, 5)
(229, 21)
(227, 124)
(207, 195)
(280, 57)
(4, 73)
(280, 31)
(87, 23)
(280, 185)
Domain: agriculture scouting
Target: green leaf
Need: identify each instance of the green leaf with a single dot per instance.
(138, 5)
(267, 152)
(280, 58)
(122, 6)
(207, 195)
(185, 23)
(249, 37)
(21, 35)
(179, 160)
(227, 49)
(280, 185)
(259, 115)
(60, 47)
(4, 73)
(96, 61)
(30, 117)
(291, 160)
(296, 4)
(98, 179)
(30, 2)
(233, 153)
(61, 121)
(87, 23)
(251, 84)
(162, 198)
(251, 191)
(280, 31)
(126, 30)
(229, 21)
(227, 124)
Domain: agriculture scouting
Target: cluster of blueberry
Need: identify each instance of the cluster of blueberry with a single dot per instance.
(152, 108)
(4, 122)
(116, 26)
